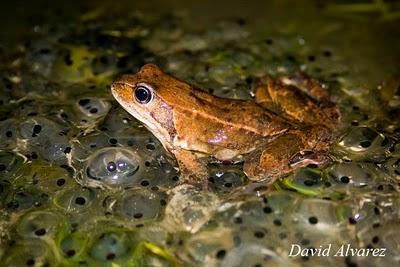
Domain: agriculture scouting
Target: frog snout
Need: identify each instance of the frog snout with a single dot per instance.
(114, 88)
(119, 86)
(122, 91)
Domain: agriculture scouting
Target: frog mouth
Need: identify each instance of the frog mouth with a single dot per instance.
(132, 109)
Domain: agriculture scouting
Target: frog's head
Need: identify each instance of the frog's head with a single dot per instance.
(142, 95)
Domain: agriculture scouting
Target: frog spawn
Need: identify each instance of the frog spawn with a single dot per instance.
(139, 205)
(125, 167)
(107, 242)
(79, 203)
(271, 225)
(225, 179)
(361, 143)
(40, 174)
(114, 166)
(94, 110)
(30, 253)
(37, 131)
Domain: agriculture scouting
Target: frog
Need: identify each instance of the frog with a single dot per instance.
(290, 123)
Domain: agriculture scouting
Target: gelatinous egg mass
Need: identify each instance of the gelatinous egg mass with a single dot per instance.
(93, 107)
(113, 166)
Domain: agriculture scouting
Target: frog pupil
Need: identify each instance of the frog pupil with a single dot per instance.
(142, 95)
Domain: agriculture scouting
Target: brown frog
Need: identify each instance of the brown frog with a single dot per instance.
(289, 125)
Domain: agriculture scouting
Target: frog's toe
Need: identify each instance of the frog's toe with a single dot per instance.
(309, 86)
(254, 170)
(199, 180)
(256, 174)
(306, 157)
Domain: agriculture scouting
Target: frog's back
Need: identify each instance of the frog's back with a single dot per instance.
(215, 124)
(240, 114)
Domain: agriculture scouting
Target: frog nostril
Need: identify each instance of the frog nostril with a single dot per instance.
(114, 88)
(117, 85)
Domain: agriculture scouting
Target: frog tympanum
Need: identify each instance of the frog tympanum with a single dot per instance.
(290, 124)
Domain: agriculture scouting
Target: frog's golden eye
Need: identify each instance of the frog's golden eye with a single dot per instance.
(143, 94)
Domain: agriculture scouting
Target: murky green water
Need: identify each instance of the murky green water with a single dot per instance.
(82, 183)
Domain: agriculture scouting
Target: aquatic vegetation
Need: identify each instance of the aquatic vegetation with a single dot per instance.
(388, 10)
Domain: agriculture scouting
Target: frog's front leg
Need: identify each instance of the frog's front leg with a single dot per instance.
(281, 156)
(193, 170)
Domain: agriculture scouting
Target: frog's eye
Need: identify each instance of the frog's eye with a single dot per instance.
(143, 94)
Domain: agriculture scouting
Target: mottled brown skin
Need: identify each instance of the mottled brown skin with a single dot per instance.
(289, 125)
